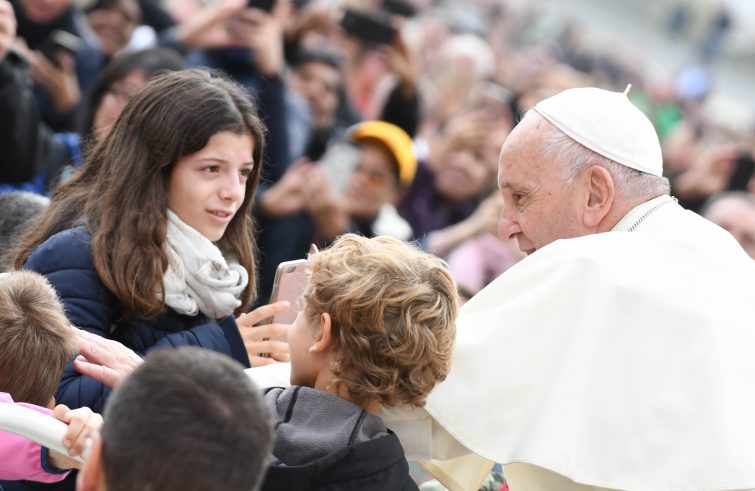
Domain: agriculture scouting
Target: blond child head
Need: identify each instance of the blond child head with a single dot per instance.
(36, 339)
(377, 323)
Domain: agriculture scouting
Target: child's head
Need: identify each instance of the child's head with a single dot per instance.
(384, 315)
(187, 418)
(36, 339)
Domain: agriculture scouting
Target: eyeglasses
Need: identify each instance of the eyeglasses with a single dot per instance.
(374, 179)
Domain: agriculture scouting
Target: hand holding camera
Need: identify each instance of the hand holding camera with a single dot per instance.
(208, 27)
(261, 32)
(53, 67)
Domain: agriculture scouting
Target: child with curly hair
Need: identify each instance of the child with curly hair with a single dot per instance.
(376, 328)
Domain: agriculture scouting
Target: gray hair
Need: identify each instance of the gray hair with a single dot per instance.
(576, 158)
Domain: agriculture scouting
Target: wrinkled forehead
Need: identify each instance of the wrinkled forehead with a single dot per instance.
(523, 146)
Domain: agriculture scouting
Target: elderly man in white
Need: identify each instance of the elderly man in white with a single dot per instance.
(620, 354)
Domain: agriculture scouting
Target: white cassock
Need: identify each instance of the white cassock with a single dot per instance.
(622, 360)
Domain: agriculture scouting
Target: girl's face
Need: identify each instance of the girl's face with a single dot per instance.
(206, 188)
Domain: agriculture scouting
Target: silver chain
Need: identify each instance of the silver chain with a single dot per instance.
(647, 213)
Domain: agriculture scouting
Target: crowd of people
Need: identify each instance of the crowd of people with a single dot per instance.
(161, 159)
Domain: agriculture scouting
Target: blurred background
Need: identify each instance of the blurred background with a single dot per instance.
(671, 38)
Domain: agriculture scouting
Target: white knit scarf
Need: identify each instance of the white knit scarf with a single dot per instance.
(198, 278)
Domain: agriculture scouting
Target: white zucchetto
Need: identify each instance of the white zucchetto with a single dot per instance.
(607, 123)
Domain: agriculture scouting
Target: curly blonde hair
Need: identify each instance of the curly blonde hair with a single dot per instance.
(393, 317)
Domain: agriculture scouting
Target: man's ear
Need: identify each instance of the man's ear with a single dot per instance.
(91, 476)
(600, 195)
(323, 339)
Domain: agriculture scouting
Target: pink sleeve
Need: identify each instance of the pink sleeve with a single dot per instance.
(21, 458)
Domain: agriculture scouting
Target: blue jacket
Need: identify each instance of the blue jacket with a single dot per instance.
(66, 260)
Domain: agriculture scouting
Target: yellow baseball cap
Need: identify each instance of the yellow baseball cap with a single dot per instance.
(395, 139)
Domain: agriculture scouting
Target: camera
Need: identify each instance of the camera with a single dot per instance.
(266, 5)
(402, 8)
(368, 27)
(59, 41)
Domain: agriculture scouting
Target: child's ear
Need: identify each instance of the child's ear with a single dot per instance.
(91, 476)
(323, 340)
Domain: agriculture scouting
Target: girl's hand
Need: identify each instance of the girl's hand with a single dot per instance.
(258, 338)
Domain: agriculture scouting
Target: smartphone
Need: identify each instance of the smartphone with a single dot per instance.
(60, 41)
(368, 27)
(402, 8)
(339, 162)
(744, 167)
(290, 280)
(266, 5)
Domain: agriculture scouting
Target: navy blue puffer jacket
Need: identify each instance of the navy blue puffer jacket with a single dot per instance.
(66, 260)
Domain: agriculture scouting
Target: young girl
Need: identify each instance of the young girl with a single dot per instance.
(163, 254)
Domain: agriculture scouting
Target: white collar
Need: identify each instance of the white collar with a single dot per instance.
(640, 212)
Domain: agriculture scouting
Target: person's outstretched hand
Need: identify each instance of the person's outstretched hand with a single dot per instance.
(104, 360)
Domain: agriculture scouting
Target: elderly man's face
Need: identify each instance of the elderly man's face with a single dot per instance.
(538, 207)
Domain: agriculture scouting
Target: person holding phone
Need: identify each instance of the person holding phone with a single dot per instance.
(60, 82)
(246, 42)
(39, 158)
(162, 254)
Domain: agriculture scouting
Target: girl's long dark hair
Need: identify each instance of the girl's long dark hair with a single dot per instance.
(126, 176)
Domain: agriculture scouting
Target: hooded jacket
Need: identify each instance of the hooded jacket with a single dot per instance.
(326, 443)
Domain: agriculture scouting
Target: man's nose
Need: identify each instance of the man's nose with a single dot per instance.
(508, 228)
